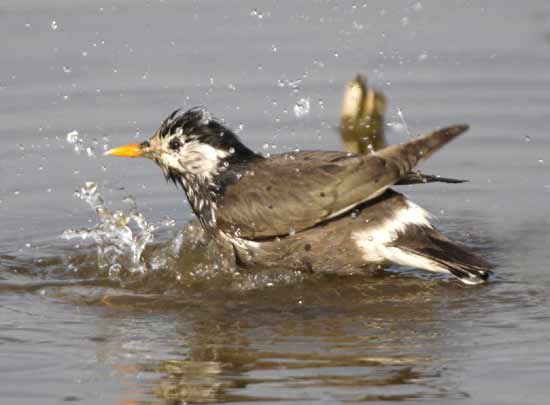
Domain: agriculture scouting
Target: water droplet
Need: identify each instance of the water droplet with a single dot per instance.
(320, 64)
(402, 118)
(302, 107)
(257, 14)
(66, 69)
(527, 138)
(273, 48)
(54, 26)
(293, 84)
(541, 161)
(72, 137)
(16, 192)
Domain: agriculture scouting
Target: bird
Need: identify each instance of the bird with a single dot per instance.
(310, 211)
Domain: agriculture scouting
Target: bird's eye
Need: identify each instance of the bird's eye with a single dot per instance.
(175, 144)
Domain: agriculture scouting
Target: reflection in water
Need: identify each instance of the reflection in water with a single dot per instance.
(364, 339)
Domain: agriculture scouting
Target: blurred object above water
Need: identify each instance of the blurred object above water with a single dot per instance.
(362, 117)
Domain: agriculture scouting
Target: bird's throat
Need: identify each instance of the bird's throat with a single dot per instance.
(203, 199)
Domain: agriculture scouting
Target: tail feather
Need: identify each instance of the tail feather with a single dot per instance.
(407, 155)
(427, 248)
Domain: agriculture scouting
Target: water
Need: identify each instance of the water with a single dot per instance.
(137, 311)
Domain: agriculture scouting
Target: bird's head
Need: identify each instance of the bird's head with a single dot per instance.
(190, 147)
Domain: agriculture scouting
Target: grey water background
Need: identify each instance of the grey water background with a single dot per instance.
(113, 70)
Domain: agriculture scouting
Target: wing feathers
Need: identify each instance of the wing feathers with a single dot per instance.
(291, 192)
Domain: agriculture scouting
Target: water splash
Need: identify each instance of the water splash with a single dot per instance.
(121, 237)
(403, 122)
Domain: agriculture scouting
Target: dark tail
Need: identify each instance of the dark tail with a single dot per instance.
(421, 178)
(440, 254)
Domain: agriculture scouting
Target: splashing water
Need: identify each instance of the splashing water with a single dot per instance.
(119, 244)
(403, 122)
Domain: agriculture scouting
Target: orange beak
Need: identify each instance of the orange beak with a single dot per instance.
(133, 150)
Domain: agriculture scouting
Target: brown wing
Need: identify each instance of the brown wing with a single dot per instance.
(291, 192)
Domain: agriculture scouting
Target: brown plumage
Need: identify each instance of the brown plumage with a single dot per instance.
(300, 190)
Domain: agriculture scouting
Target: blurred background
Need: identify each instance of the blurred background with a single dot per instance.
(77, 77)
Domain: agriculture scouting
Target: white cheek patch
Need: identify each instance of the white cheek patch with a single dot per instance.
(196, 158)
(373, 242)
(171, 161)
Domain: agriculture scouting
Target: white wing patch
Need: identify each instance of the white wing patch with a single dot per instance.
(373, 242)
